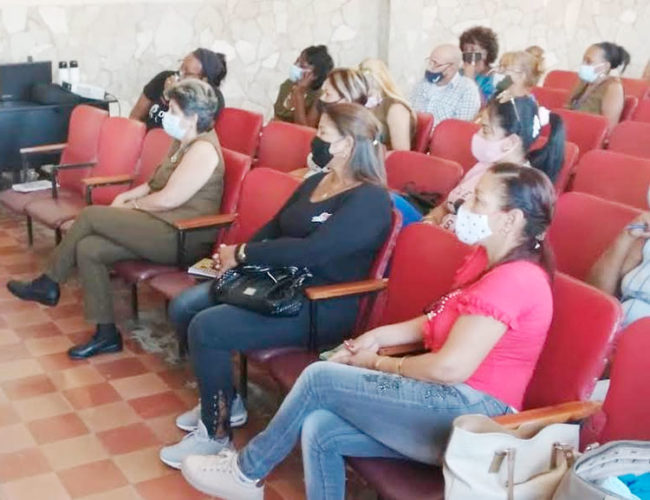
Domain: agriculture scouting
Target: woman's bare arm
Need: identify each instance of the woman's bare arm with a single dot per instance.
(141, 108)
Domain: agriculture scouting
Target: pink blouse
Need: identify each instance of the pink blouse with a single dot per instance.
(518, 294)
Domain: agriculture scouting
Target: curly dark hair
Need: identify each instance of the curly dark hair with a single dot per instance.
(320, 59)
(486, 38)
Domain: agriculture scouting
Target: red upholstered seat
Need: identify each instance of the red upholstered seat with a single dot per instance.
(642, 111)
(284, 146)
(629, 107)
(583, 227)
(614, 176)
(632, 138)
(423, 129)
(571, 155)
(452, 140)
(239, 130)
(585, 130)
(422, 172)
(551, 98)
(561, 79)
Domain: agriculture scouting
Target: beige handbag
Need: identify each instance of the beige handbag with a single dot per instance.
(488, 461)
(612, 459)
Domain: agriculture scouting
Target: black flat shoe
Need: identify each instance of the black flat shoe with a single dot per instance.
(42, 290)
(99, 344)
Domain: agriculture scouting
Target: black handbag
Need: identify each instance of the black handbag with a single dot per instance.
(271, 291)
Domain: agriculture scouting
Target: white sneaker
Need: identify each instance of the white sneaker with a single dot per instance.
(220, 476)
(190, 419)
(197, 442)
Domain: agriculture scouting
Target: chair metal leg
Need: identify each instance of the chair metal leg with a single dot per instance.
(134, 300)
(30, 231)
(243, 376)
(58, 235)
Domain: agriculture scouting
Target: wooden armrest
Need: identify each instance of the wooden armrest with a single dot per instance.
(564, 412)
(107, 180)
(70, 166)
(345, 289)
(44, 148)
(397, 350)
(205, 221)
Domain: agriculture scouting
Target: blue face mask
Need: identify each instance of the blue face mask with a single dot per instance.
(295, 73)
(587, 73)
(172, 125)
(433, 76)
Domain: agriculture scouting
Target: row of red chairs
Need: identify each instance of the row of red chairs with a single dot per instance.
(567, 80)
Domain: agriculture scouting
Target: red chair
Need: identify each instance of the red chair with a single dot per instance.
(583, 227)
(585, 130)
(629, 107)
(421, 172)
(632, 138)
(636, 87)
(284, 146)
(561, 79)
(573, 357)
(263, 192)
(642, 112)
(615, 177)
(239, 130)
(81, 147)
(133, 272)
(452, 140)
(571, 155)
(120, 143)
(551, 98)
(423, 130)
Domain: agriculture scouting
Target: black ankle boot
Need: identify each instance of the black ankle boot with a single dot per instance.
(106, 339)
(43, 290)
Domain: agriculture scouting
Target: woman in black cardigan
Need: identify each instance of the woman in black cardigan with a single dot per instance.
(334, 224)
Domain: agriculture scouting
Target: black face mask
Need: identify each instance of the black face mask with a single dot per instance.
(320, 152)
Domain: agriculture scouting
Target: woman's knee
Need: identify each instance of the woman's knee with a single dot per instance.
(316, 430)
(205, 329)
(185, 306)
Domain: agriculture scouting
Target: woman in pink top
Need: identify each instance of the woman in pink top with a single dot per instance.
(508, 130)
(484, 340)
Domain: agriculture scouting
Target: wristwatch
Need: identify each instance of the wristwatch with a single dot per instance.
(240, 253)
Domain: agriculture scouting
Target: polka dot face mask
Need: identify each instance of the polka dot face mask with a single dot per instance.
(470, 227)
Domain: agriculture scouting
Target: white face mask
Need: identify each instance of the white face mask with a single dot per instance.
(295, 73)
(470, 228)
(172, 125)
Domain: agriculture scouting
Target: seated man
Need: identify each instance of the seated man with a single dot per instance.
(444, 92)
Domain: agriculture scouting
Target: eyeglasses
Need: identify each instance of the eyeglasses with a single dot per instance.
(433, 63)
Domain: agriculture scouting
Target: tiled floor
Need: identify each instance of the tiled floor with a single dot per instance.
(90, 429)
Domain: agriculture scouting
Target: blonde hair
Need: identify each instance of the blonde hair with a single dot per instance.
(377, 71)
(530, 61)
(350, 84)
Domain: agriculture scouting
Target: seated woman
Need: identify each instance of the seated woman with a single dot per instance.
(484, 340)
(624, 269)
(518, 73)
(480, 46)
(600, 91)
(299, 94)
(508, 130)
(389, 106)
(139, 223)
(334, 224)
(153, 103)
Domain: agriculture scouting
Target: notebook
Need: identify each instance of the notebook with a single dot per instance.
(28, 187)
(204, 267)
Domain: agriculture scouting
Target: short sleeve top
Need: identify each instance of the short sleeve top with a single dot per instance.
(518, 294)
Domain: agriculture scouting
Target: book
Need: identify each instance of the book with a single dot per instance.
(204, 267)
(28, 187)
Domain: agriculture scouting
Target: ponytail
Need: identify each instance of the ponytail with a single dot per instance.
(550, 157)
(616, 55)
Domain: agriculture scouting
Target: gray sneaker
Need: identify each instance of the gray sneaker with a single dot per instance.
(196, 442)
(190, 419)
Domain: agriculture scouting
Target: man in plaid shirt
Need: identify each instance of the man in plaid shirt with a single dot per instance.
(443, 91)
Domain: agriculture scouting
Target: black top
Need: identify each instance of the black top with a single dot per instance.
(337, 238)
(154, 91)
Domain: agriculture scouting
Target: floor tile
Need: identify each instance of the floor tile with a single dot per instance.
(121, 368)
(139, 386)
(65, 311)
(172, 487)
(165, 429)
(11, 352)
(19, 369)
(110, 416)
(45, 406)
(8, 337)
(92, 395)
(49, 430)
(25, 318)
(48, 345)
(72, 324)
(128, 438)
(74, 451)
(176, 378)
(92, 478)
(28, 387)
(41, 487)
(46, 329)
(22, 463)
(76, 377)
(59, 361)
(157, 405)
(142, 465)
(125, 493)
(7, 415)
(15, 437)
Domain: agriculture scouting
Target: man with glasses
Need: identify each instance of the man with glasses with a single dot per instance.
(444, 92)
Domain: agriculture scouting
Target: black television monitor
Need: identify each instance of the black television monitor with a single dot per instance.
(16, 80)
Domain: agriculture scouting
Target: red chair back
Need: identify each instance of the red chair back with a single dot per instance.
(561, 79)
(423, 129)
(583, 228)
(239, 130)
(452, 140)
(284, 146)
(632, 138)
(424, 263)
(577, 346)
(264, 192)
(642, 112)
(422, 172)
(155, 149)
(571, 155)
(629, 107)
(615, 177)
(585, 130)
(551, 98)
(636, 87)
(627, 405)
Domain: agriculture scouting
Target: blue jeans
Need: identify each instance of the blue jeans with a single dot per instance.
(343, 411)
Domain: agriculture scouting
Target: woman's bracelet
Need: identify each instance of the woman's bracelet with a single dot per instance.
(399, 365)
(378, 362)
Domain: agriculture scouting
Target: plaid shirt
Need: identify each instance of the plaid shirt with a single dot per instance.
(459, 99)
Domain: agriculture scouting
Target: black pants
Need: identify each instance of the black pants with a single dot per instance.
(213, 331)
